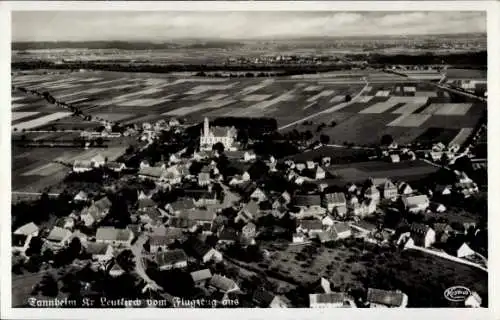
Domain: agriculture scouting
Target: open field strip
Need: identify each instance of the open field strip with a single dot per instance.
(379, 107)
(17, 105)
(204, 105)
(383, 93)
(407, 108)
(142, 102)
(217, 97)
(462, 135)
(256, 87)
(91, 79)
(12, 99)
(433, 108)
(258, 108)
(42, 120)
(113, 116)
(337, 99)
(457, 109)
(204, 88)
(21, 115)
(78, 100)
(313, 88)
(421, 100)
(409, 120)
(324, 93)
(364, 99)
(310, 105)
(255, 97)
(94, 90)
(426, 94)
(44, 170)
(156, 82)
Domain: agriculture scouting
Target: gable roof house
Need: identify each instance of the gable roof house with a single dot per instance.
(332, 200)
(319, 173)
(310, 204)
(171, 259)
(227, 236)
(262, 298)
(341, 231)
(377, 298)
(97, 211)
(29, 229)
(310, 227)
(98, 161)
(422, 235)
(81, 196)
(330, 300)
(258, 195)
(101, 252)
(415, 204)
(389, 189)
(152, 173)
(80, 166)
(114, 236)
(372, 193)
(203, 178)
(249, 212)
(160, 242)
(200, 251)
(222, 283)
(201, 277)
(58, 238)
(404, 188)
(180, 205)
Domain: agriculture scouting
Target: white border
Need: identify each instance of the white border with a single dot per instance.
(492, 9)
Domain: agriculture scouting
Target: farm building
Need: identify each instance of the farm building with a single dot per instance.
(58, 238)
(201, 277)
(330, 300)
(415, 204)
(113, 236)
(332, 200)
(422, 235)
(377, 298)
(171, 259)
(80, 166)
(341, 231)
(211, 136)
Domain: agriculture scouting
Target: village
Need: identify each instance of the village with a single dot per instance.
(201, 223)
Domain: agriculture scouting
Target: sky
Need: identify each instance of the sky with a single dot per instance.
(164, 26)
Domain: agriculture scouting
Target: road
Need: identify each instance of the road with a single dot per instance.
(332, 109)
(138, 250)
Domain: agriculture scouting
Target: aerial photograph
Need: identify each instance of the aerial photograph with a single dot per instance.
(249, 159)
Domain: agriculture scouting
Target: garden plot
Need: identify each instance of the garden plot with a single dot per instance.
(254, 88)
(202, 106)
(409, 120)
(217, 97)
(461, 136)
(21, 115)
(407, 108)
(324, 93)
(204, 88)
(255, 97)
(456, 109)
(383, 93)
(42, 120)
(379, 107)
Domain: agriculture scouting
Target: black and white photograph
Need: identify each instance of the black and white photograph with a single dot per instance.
(248, 159)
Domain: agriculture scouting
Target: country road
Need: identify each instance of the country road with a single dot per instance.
(332, 109)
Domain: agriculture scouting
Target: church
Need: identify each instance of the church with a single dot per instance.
(210, 136)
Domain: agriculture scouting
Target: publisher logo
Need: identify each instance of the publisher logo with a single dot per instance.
(457, 293)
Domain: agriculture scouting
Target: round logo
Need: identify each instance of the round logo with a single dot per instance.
(457, 293)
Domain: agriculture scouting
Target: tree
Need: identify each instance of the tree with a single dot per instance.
(308, 135)
(49, 286)
(348, 98)
(219, 147)
(324, 139)
(386, 140)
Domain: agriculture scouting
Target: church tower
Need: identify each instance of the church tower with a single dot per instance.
(206, 127)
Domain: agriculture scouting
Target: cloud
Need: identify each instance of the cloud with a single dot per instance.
(87, 25)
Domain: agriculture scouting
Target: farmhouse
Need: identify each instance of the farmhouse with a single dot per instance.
(415, 204)
(223, 284)
(248, 212)
(332, 200)
(201, 251)
(404, 188)
(211, 136)
(116, 166)
(201, 277)
(377, 298)
(58, 238)
(96, 211)
(153, 173)
(80, 166)
(199, 216)
(422, 235)
(100, 252)
(309, 204)
(81, 196)
(310, 227)
(160, 242)
(171, 259)
(113, 236)
(341, 231)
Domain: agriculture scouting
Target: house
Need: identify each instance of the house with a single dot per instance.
(248, 212)
(319, 173)
(80, 166)
(395, 158)
(21, 243)
(180, 205)
(29, 229)
(201, 277)
(171, 259)
(310, 204)
(389, 189)
(328, 300)
(227, 236)
(341, 230)
(249, 230)
(422, 235)
(416, 204)
(365, 208)
(473, 300)
(280, 301)
(156, 174)
(464, 251)
(114, 236)
(116, 166)
(352, 188)
(258, 195)
(377, 298)
(198, 216)
(58, 238)
(96, 211)
(222, 284)
(325, 236)
(201, 251)
(332, 200)
(262, 298)
(100, 252)
(114, 269)
(372, 193)
(81, 196)
(310, 165)
(404, 188)
(328, 221)
(203, 179)
(144, 164)
(442, 189)
(160, 240)
(310, 227)
(145, 203)
(437, 207)
(98, 161)
(298, 238)
(363, 227)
